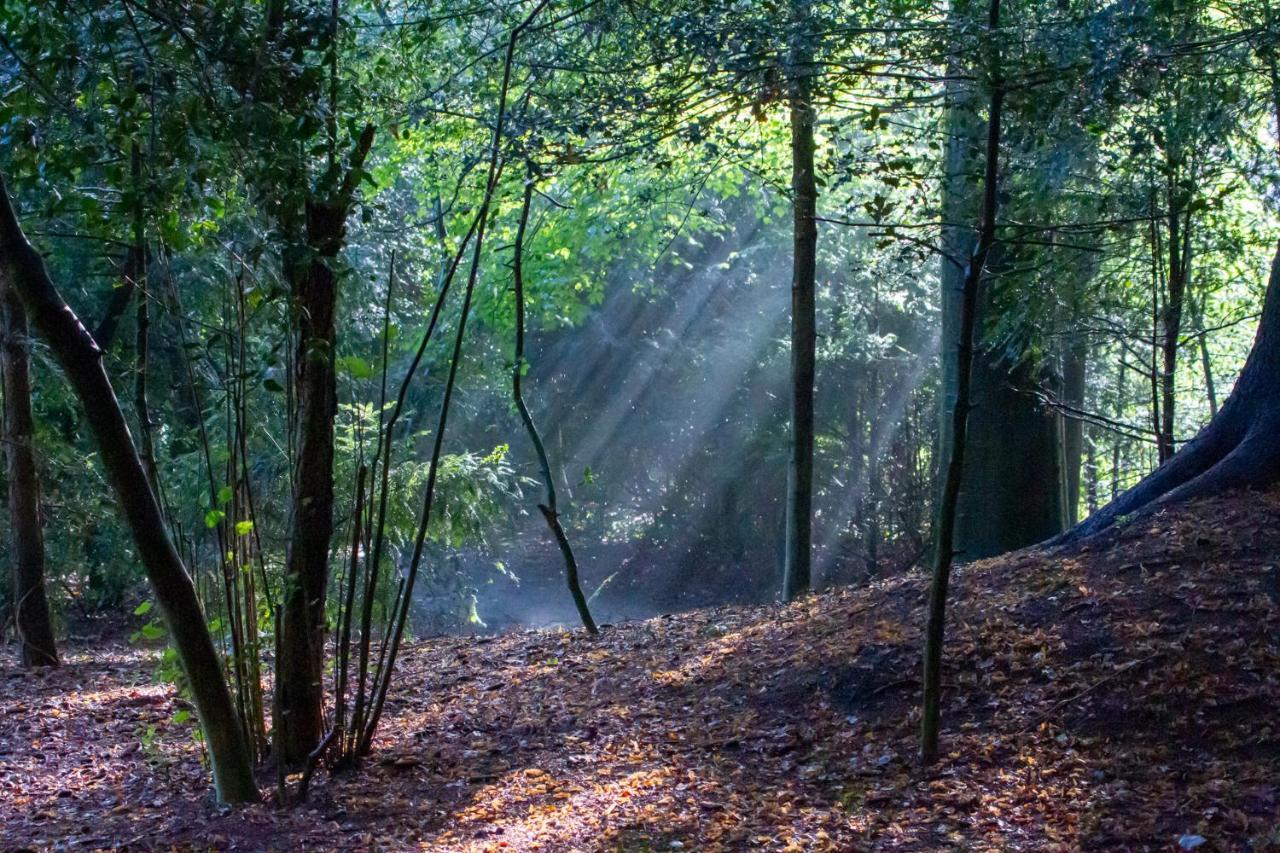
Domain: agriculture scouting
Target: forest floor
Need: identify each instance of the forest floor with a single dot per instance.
(1116, 697)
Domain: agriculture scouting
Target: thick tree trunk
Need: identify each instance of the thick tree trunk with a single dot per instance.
(36, 646)
(300, 643)
(1240, 448)
(81, 360)
(1001, 506)
(797, 567)
(1006, 506)
(300, 669)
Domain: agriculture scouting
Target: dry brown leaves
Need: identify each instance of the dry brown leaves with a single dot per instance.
(1114, 698)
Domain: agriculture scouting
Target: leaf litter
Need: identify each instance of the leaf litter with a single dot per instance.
(1117, 696)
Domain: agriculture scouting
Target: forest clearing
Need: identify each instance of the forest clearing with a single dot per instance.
(629, 425)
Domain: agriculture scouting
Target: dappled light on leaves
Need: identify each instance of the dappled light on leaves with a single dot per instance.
(775, 727)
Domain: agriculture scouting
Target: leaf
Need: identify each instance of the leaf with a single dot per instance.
(142, 609)
(356, 367)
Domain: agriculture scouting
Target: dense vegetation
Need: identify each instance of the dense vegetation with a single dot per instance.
(328, 324)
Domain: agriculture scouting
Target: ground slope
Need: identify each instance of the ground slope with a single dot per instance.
(1119, 696)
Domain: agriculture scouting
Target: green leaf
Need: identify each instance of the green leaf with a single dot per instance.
(225, 494)
(142, 609)
(243, 528)
(356, 367)
(213, 517)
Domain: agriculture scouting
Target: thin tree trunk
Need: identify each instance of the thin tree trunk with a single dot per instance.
(1074, 377)
(391, 646)
(1122, 374)
(1171, 320)
(944, 550)
(1091, 474)
(81, 360)
(142, 327)
(36, 645)
(1206, 363)
(797, 567)
(549, 508)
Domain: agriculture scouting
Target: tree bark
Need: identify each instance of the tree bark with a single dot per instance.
(300, 668)
(36, 645)
(1240, 448)
(797, 567)
(1179, 250)
(944, 547)
(300, 664)
(81, 360)
(1206, 363)
(549, 508)
(1001, 507)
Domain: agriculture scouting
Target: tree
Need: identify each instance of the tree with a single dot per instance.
(36, 645)
(1240, 446)
(81, 360)
(1001, 506)
(300, 669)
(944, 540)
(804, 192)
(549, 508)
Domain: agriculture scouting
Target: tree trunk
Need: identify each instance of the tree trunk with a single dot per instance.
(944, 546)
(797, 567)
(300, 668)
(1171, 319)
(1206, 363)
(549, 509)
(300, 643)
(1074, 377)
(36, 646)
(1240, 448)
(81, 360)
(1001, 507)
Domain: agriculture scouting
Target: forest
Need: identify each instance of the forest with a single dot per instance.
(634, 425)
